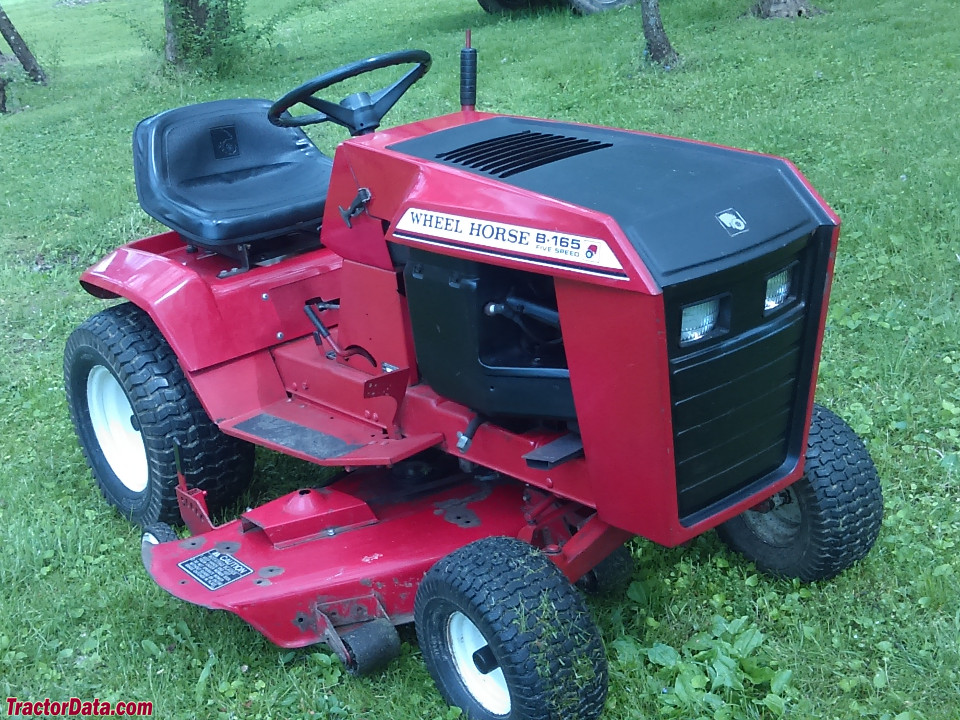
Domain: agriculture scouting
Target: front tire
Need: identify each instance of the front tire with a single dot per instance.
(823, 523)
(129, 400)
(507, 637)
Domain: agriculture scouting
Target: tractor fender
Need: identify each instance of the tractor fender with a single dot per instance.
(210, 320)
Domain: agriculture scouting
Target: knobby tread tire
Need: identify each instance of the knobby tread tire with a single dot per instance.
(125, 340)
(534, 620)
(841, 504)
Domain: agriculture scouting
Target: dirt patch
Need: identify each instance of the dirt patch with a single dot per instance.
(73, 3)
(784, 9)
(40, 262)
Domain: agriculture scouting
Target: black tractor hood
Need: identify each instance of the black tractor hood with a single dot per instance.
(689, 209)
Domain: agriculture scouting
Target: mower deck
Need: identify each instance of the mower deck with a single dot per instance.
(299, 566)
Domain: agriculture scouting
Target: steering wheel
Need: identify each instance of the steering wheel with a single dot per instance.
(361, 112)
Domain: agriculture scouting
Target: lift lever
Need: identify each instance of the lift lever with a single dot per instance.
(323, 333)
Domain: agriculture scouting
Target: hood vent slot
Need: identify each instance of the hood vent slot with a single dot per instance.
(508, 155)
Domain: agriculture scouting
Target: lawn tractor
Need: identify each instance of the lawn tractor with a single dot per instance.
(523, 341)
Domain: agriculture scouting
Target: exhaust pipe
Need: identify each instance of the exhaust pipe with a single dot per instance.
(468, 77)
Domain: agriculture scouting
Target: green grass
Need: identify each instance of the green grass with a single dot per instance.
(864, 99)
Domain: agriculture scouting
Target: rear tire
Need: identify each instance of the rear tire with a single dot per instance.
(823, 523)
(507, 637)
(589, 7)
(129, 399)
(500, 7)
(157, 533)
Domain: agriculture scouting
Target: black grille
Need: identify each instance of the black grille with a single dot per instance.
(733, 414)
(739, 399)
(511, 154)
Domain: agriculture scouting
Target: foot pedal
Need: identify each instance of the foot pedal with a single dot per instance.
(563, 449)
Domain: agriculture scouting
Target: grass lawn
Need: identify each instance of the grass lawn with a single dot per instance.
(864, 99)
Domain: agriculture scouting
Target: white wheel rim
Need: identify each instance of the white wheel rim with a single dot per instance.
(489, 690)
(148, 538)
(111, 416)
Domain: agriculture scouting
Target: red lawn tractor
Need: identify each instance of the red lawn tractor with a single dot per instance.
(525, 342)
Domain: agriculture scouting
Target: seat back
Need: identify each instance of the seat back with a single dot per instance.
(221, 175)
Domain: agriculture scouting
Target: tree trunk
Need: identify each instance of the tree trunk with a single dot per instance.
(171, 48)
(194, 28)
(21, 50)
(3, 94)
(658, 45)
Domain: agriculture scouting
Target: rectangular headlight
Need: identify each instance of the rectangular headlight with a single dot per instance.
(779, 290)
(699, 320)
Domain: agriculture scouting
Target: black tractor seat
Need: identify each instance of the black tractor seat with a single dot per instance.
(227, 180)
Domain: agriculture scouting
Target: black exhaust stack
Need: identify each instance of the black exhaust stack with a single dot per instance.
(468, 77)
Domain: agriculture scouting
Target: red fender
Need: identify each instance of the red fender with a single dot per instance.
(228, 317)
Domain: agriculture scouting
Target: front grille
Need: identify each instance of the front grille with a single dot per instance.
(511, 154)
(739, 399)
(733, 414)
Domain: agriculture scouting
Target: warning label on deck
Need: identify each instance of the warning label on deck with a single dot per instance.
(214, 569)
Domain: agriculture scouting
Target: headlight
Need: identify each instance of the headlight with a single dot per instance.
(698, 320)
(779, 290)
